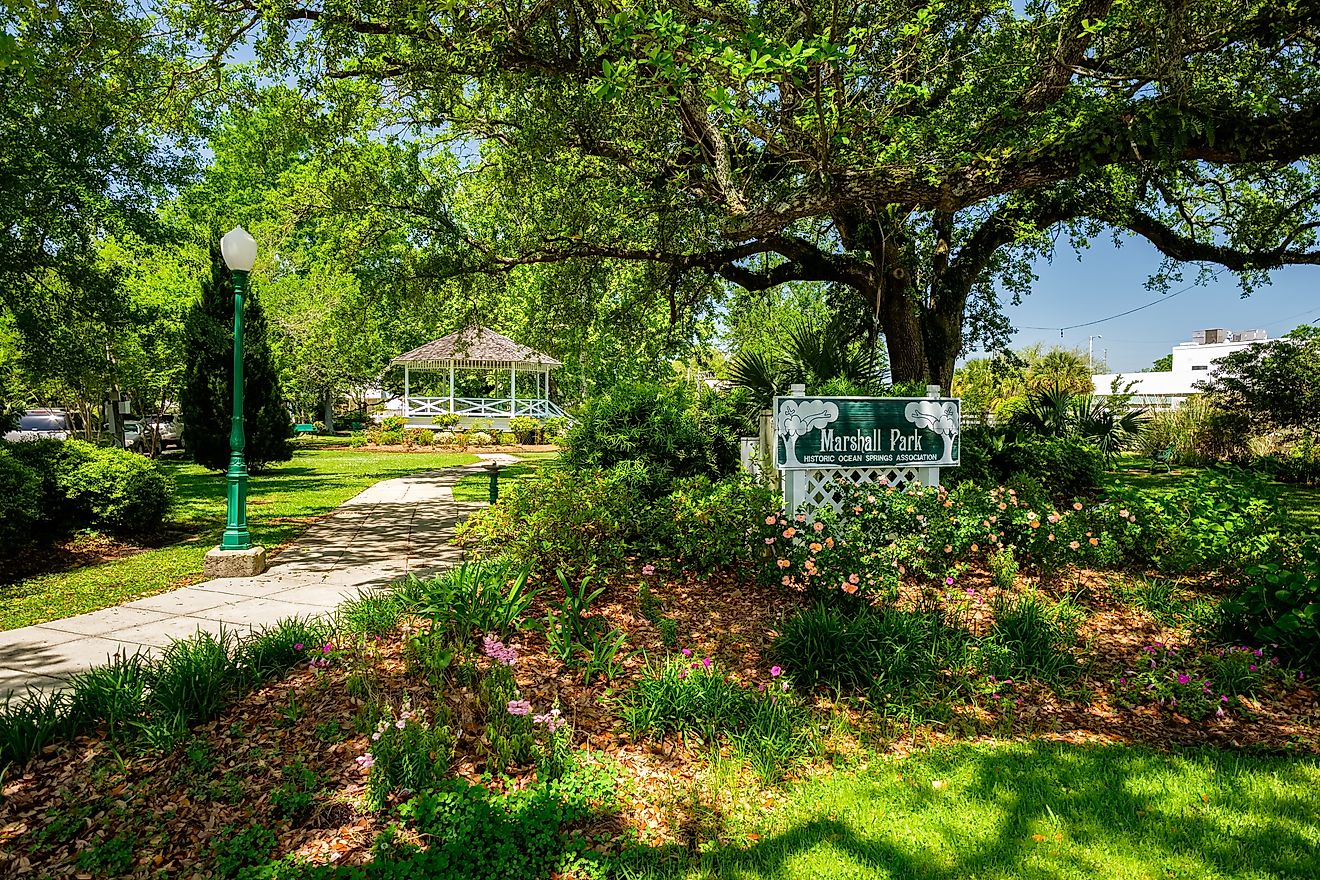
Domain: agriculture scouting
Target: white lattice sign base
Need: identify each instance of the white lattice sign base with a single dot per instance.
(812, 490)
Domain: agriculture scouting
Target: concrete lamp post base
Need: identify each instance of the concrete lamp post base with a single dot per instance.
(234, 563)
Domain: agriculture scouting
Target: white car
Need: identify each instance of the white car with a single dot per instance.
(132, 434)
(42, 424)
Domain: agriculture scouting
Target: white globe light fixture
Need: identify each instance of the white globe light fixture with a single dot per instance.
(239, 250)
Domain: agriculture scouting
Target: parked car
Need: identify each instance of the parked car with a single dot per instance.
(133, 434)
(168, 427)
(42, 424)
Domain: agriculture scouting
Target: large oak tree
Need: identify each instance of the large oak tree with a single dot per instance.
(913, 152)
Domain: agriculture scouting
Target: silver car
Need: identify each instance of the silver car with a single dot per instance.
(168, 427)
(42, 424)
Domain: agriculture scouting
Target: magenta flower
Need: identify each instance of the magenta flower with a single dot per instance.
(648, 570)
(706, 662)
(948, 581)
(1183, 678)
(298, 647)
(686, 652)
(775, 672)
(519, 707)
(325, 649)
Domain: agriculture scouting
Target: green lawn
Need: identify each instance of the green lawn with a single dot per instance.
(281, 503)
(1302, 502)
(1045, 811)
(477, 486)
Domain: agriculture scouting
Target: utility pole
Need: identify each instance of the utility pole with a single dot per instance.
(1090, 351)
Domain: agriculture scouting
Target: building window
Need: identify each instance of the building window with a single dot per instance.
(1200, 366)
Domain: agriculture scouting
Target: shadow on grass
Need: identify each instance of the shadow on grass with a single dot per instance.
(1044, 811)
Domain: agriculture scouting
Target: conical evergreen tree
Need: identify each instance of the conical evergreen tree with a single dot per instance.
(206, 400)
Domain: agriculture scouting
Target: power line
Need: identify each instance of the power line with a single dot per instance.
(1123, 314)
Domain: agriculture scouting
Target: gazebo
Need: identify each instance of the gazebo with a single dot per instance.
(480, 348)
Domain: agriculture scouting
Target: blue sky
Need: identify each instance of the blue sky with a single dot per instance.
(1108, 280)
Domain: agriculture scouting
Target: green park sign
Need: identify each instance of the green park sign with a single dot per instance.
(849, 432)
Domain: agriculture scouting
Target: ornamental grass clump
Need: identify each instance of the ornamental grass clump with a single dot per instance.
(690, 695)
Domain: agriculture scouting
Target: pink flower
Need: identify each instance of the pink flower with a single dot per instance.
(366, 762)
(648, 570)
(686, 652)
(948, 581)
(775, 671)
(325, 649)
(769, 520)
(707, 662)
(298, 647)
(401, 724)
(818, 526)
(1183, 678)
(519, 707)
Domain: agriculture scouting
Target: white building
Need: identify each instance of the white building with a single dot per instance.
(1192, 362)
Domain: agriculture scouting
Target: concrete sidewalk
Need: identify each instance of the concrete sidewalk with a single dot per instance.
(396, 527)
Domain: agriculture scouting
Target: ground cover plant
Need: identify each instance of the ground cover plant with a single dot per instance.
(92, 572)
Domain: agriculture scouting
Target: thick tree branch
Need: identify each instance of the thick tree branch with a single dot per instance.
(1174, 244)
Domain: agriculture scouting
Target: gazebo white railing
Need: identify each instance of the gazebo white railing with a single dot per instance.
(480, 348)
(482, 407)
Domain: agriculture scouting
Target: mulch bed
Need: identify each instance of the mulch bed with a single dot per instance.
(77, 795)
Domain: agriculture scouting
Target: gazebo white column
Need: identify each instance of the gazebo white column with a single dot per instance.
(513, 390)
(407, 410)
(451, 386)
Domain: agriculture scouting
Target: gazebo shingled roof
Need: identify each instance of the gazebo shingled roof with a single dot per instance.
(475, 347)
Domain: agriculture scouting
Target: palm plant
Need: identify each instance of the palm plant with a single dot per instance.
(1054, 411)
(813, 353)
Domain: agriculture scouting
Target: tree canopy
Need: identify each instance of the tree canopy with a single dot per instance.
(915, 153)
(1276, 383)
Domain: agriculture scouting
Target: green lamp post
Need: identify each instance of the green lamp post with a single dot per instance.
(236, 556)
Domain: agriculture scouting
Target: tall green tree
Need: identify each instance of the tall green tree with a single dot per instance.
(1277, 383)
(916, 152)
(206, 398)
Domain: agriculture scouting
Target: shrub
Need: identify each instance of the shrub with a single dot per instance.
(394, 423)
(1065, 466)
(526, 429)
(572, 520)
(389, 438)
(1223, 520)
(421, 436)
(29, 724)
(114, 694)
(117, 490)
(20, 501)
(487, 596)
(357, 439)
(279, 647)
(86, 486)
(652, 425)
(1280, 605)
(447, 420)
(508, 438)
(714, 524)
(480, 438)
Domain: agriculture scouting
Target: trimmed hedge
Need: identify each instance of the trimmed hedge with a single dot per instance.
(20, 500)
(77, 485)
